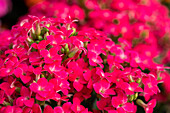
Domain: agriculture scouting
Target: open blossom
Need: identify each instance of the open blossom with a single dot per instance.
(147, 107)
(103, 88)
(150, 86)
(42, 88)
(25, 98)
(120, 102)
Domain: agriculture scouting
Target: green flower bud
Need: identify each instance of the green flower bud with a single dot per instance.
(72, 54)
(62, 50)
(131, 98)
(67, 50)
(66, 46)
(37, 41)
(140, 103)
(135, 96)
(38, 30)
(85, 44)
(40, 38)
(42, 75)
(113, 54)
(138, 80)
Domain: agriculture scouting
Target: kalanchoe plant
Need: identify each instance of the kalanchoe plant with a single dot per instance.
(53, 68)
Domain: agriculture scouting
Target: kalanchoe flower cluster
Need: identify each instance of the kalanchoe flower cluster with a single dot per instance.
(53, 68)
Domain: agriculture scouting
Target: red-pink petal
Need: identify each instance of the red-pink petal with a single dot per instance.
(29, 102)
(42, 82)
(34, 87)
(25, 79)
(58, 109)
(78, 86)
(36, 108)
(48, 109)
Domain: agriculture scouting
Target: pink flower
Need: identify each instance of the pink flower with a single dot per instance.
(77, 12)
(25, 98)
(42, 88)
(150, 87)
(76, 75)
(60, 85)
(8, 67)
(103, 88)
(120, 102)
(7, 88)
(131, 88)
(67, 107)
(104, 103)
(21, 72)
(147, 107)
(51, 56)
(76, 107)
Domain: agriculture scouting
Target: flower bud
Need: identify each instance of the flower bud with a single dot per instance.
(140, 103)
(42, 75)
(37, 41)
(40, 38)
(113, 54)
(138, 80)
(44, 30)
(62, 50)
(131, 97)
(38, 30)
(67, 50)
(130, 78)
(66, 46)
(135, 96)
(85, 44)
(45, 36)
(74, 33)
(71, 54)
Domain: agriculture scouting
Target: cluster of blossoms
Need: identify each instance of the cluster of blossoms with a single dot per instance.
(53, 68)
(142, 23)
